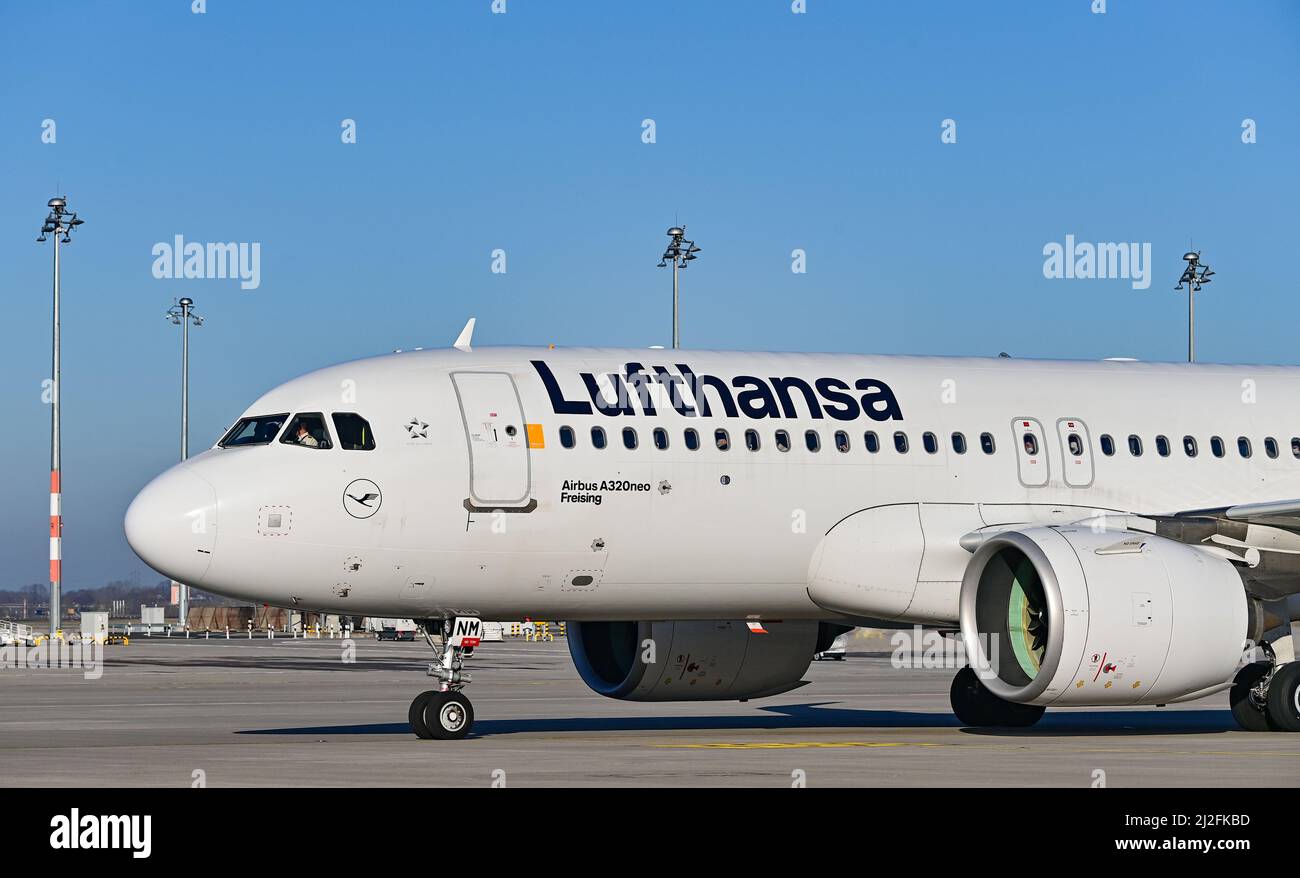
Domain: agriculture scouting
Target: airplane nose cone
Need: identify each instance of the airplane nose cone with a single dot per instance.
(172, 524)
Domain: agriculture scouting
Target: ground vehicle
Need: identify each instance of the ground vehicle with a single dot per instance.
(392, 629)
(837, 651)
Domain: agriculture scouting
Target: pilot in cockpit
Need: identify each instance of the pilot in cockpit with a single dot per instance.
(303, 436)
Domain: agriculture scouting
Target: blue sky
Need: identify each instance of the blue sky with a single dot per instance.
(523, 131)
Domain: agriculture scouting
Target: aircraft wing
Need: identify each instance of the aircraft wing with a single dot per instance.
(1263, 537)
(1283, 514)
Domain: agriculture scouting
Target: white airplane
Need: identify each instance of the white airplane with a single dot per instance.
(1100, 533)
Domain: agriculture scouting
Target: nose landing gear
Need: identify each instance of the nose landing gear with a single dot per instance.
(445, 713)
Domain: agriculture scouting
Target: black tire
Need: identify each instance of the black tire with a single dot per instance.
(448, 716)
(966, 696)
(416, 715)
(1250, 714)
(1284, 698)
(976, 706)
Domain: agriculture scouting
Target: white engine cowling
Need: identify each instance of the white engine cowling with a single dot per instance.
(694, 661)
(1066, 615)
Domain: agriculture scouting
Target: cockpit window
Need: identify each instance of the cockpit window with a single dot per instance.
(353, 432)
(257, 430)
(307, 429)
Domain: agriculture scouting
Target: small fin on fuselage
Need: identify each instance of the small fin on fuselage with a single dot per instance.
(466, 336)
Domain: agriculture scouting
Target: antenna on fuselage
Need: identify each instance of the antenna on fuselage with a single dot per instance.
(466, 336)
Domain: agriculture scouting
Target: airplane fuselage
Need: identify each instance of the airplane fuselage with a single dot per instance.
(470, 502)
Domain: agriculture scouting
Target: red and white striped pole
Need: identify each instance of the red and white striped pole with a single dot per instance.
(59, 223)
(56, 448)
(56, 533)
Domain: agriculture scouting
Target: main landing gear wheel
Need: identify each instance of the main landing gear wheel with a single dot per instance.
(1284, 697)
(975, 705)
(448, 716)
(1249, 698)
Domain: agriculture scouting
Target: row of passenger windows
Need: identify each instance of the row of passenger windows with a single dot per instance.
(1191, 448)
(929, 441)
(306, 429)
(753, 441)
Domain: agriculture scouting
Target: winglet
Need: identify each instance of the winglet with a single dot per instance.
(463, 340)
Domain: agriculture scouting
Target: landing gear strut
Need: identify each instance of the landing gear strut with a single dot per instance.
(1248, 696)
(1265, 696)
(445, 713)
(975, 705)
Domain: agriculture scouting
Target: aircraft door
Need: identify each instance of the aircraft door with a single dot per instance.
(1076, 452)
(1031, 452)
(500, 473)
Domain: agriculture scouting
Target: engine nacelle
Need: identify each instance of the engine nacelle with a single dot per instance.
(1066, 615)
(694, 661)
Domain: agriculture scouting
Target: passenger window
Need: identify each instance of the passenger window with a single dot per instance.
(782, 440)
(566, 437)
(1135, 445)
(1189, 446)
(986, 443)
(751, 440)
(598, 437)
(1243, 446)
(871, 441)
(661, 438)
(692, 439)
(1270, 447)
(841, 441)
(1216, 446)
(900, 442)
(1162, 446)
(1030, 442)
(307, 430)
(629, 438)
(959, 443)
(812, 440)
(1075, 443)
(722, 440)
(1295, 446)
(1107, 444)
(353, 432)
(930, 442)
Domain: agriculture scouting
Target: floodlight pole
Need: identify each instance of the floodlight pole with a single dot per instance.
(185, 305)
(677, 336)
(182, 313)
(56, 462)
(681, 252)
(1194, 283)
(59, 223)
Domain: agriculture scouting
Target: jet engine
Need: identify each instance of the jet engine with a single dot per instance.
(1069, 616)
(695, 661)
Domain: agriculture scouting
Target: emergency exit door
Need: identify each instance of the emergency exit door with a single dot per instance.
(1031, 452)
(499, 473)
(1076, 452)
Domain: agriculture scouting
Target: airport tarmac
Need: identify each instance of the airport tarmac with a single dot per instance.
(290, 712)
